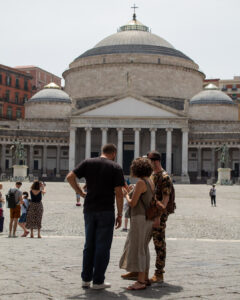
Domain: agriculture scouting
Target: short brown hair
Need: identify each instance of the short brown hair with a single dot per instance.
(18, 183)
(35, 185)
(109, 149)
(141, 167)
(154, 155)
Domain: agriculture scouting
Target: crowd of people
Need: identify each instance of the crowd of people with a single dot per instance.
(25, 212)
(105, 183)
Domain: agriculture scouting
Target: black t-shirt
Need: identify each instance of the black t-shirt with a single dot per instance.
(102, 176)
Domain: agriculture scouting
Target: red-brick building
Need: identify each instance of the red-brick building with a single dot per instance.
(40, 77)
(15, 90)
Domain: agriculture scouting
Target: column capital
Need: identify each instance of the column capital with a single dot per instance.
(185, 129)
(153, 129)
(120, 129)
(104, 128)
(136, 129)
(88, 128)
(169, 129)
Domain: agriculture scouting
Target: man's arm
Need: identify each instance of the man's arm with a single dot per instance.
(71, 178)
(119, 201)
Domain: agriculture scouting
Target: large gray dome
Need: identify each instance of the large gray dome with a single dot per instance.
(211, 95)
(52, 93)
(134, 37)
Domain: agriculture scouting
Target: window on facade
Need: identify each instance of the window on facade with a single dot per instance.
(7, 95)
(16, 98)
(65, 153)
(36, 152)
(0, 78)
(1, 111)
(234, 87)
(25, 85)
(17, 83)
(159, 61)
(224, 88)
(7, 163)
(8, 80)
(25, 98)
(18, 113)
(9, 112)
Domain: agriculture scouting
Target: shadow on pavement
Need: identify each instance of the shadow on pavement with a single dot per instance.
(153, 292)
(156, 291)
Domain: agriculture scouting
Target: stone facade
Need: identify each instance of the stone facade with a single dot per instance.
(139, 97)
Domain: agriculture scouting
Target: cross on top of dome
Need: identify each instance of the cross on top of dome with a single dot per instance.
(134, 7)
(134, 24)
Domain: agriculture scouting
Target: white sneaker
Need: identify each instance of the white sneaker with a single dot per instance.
(104, 285)
(86, 284)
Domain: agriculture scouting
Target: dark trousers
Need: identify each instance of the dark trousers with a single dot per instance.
(213, 200)
(96, 254)
(159, 241)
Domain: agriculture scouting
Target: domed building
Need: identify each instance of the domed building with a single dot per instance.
(133, 89)
(49, 103)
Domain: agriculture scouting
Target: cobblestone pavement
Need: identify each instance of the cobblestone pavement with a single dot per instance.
(203, 260)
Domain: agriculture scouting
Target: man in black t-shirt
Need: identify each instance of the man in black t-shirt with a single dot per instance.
(104, 180)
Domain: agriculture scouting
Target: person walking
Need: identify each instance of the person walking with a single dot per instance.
(104, 179)
(15, 212)
(35, 210)
(212, 194)
(136, 257)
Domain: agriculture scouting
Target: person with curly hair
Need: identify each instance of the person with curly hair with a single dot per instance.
(136, 257)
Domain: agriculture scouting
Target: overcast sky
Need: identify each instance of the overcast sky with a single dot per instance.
(52, 33)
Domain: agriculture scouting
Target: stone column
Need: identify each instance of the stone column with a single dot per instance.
(185, 177)
(44, 174)
(136, 142)
(3, 160)
(104, 136)
(239, 166)
(153, 139)
(31, 159)
(120, 146)
(88, 142)
(169, 150)
(213, 152)
(72, 148)
(199, 164)
(58, 161)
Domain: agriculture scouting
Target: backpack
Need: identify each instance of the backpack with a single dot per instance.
(10, 197)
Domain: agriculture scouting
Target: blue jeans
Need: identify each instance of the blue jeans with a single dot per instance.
(96, 254)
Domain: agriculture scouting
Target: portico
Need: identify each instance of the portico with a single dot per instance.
(152, 126)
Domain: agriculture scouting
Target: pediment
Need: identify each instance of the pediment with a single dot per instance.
(129, 106)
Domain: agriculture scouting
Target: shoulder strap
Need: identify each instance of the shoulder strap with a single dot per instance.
(148, 184)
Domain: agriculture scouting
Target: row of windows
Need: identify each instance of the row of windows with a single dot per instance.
(17, 99)
(9, 114)
(8, 82)
(234, 87)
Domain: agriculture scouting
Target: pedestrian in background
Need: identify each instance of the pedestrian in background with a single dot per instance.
(212, 194)
(22, 220)
(35, 210)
